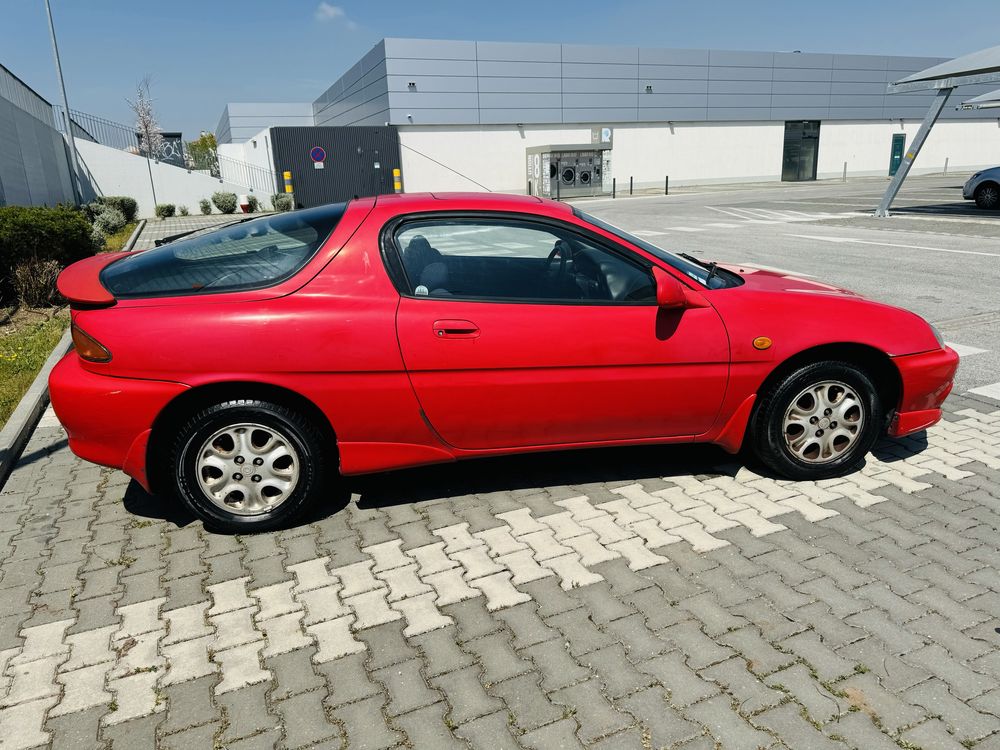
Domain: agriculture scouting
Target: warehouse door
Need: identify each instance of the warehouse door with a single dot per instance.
(801, 150)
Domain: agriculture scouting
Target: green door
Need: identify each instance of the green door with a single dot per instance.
(896, 155)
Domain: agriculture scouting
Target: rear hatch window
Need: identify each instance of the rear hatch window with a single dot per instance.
(247, 255)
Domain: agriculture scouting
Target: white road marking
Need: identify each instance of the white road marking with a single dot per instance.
(721, 225)
(648, 233)
(964, 351)
(686, 229)
(990, 391)
(893, 244)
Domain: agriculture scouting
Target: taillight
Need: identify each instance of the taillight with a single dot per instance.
(88, 347)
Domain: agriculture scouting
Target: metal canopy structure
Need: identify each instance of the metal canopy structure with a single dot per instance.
(983, 101)
(975, 68)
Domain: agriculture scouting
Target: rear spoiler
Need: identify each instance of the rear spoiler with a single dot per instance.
(80, 283)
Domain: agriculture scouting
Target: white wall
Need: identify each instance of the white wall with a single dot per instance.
(115, 172)
(866, 146)
(690, 153)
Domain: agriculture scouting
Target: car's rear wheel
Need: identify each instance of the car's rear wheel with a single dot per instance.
(247, 465)
(818, 421)
(988, 195)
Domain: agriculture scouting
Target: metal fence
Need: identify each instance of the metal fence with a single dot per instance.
(116, 135)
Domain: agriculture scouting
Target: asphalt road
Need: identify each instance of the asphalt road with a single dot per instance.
(937, 255)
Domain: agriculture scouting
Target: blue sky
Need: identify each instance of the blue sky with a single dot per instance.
(201, 54)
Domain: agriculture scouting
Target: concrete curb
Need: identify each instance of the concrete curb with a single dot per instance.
(23, 421)
(134, 237)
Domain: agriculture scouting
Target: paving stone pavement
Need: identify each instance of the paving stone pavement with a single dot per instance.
(690, 607)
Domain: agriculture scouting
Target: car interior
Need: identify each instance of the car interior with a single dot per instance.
(573, 270)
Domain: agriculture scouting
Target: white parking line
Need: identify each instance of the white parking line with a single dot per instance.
(686, 229)
(893, 244)
(964, 351)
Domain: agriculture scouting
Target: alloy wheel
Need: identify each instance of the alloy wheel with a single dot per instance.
(823, 422)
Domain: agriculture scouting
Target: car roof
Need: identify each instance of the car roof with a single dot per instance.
(487, 201)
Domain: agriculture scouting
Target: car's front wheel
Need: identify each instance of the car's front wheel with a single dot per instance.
(988, 195)
(817, 422)
(247, 465)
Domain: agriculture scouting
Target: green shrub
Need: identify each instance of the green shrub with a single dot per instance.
(165, 210)
(61, 234)
(123, 203)
(225, 202)
(109, 220)
(183, 211)
(205, 205)
(281, 202)
(253, 205)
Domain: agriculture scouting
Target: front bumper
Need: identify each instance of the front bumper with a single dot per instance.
(108, 419)
(967, 190)
(927, 380)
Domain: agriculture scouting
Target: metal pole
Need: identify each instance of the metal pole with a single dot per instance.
(946, 165)
(75, 177)
(918, 141)
(614, 181)
(630, 185)
(845, 172)
(666, 185)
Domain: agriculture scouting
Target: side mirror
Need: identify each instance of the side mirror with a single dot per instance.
(669, 291)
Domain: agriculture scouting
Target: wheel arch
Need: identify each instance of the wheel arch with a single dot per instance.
(202, 396)
(879, 365)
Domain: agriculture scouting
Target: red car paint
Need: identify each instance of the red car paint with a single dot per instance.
(407, 381)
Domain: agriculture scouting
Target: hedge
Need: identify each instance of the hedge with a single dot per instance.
(62, 234)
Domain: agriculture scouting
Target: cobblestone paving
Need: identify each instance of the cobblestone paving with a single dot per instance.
(696, 606)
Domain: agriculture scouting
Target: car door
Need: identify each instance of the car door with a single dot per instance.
(522, 331)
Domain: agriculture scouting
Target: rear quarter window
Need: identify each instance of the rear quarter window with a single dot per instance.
(250, 255)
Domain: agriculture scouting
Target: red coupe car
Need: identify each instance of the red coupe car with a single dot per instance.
(245, 369)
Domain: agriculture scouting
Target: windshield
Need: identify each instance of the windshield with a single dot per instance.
(247, 255)
(704, 274)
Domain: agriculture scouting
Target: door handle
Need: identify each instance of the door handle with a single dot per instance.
(455, 329)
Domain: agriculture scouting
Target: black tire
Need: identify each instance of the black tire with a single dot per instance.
(988, 196)
(767, 435)
(301, 433)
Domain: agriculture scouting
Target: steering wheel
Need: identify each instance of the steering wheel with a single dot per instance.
(564, 253)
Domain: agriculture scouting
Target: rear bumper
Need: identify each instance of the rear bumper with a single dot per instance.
(927, 380)
(108, 419)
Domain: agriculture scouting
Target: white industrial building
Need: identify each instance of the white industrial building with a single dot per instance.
(493, 115)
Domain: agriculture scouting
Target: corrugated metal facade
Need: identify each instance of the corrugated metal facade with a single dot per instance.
(34, 166)
(428, 82)
(359, 161)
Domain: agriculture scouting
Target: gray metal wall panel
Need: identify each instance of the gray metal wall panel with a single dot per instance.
(488, 68)
(655, 56)
(855, 113)
(425, 84)
(857, 89)
(741, 59)
(518, 52)
(802, 60)
(862, 62)
(599, 70)
(799, 113)
(436, 116)
(800, 100)
(435, 99)
(401, 67)
(512, 116)
(674, 72)
(438, 49)
(520, 100)
(801, 87)
(733, 114)
(730, 73)
(739, 87)
(674, 87)
(590, 53)
(802, 74)
(854, 75)
(599, 114)
(662, 114)
(648, 101)
(857, 100)
(577, 101)
(599, 85)
(515, 85)
(739, 100)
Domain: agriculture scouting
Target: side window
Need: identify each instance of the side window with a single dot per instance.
(507, 259)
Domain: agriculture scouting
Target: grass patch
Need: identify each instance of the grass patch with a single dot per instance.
(117, 240)
(24, 347)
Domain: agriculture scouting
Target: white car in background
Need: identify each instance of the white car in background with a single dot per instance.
(984, 188)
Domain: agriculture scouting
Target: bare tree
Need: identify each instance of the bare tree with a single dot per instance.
(150, 136)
